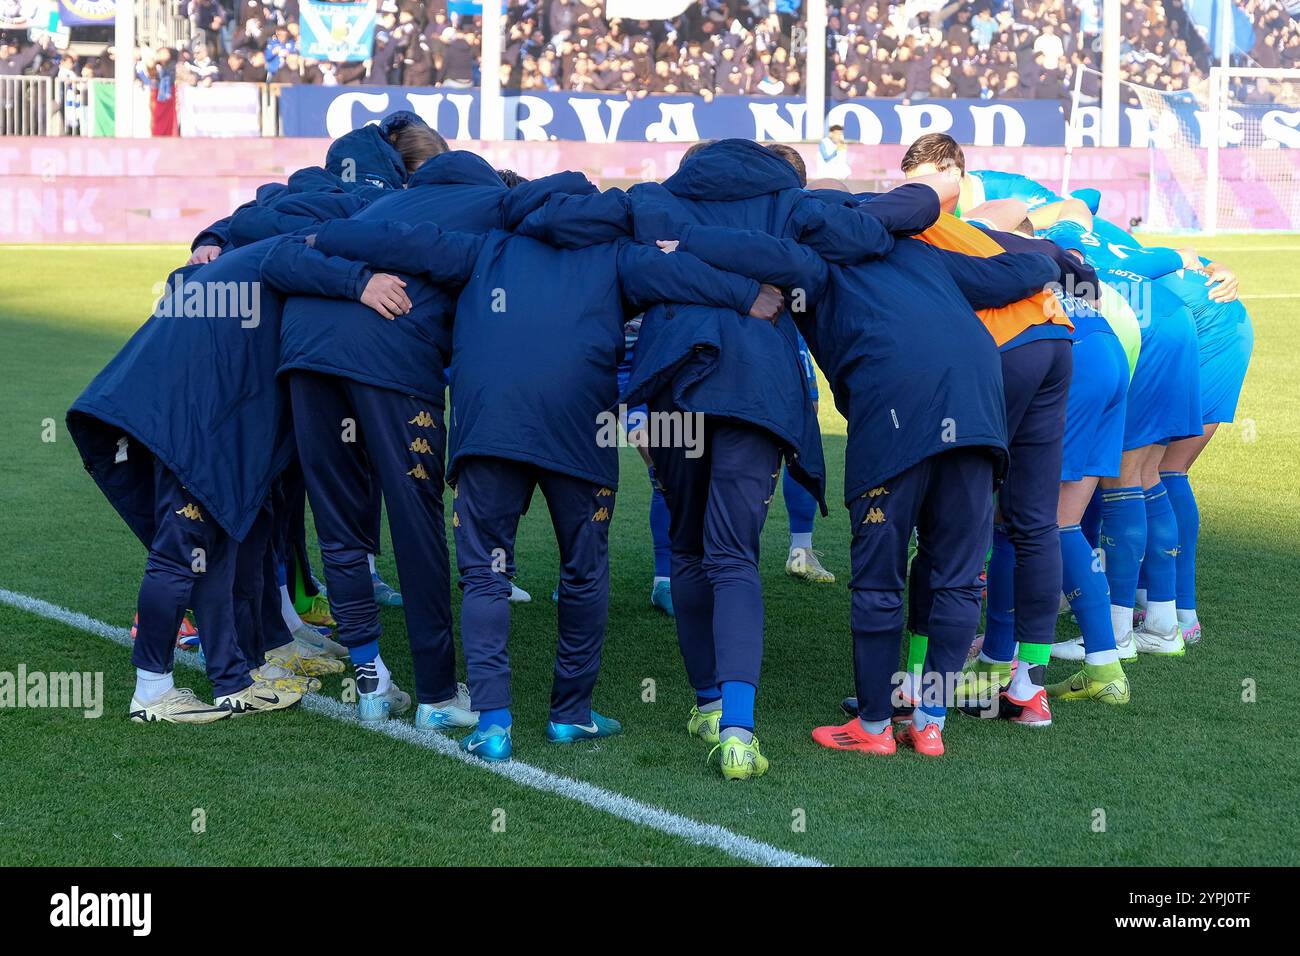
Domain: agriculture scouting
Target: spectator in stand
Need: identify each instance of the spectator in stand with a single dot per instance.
(278, 48)
(158, 71)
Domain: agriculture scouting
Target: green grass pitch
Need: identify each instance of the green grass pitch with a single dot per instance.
(1189, 773)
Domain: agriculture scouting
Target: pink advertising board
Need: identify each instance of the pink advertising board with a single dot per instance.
(167, 190)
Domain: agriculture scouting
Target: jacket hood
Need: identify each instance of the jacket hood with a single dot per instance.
(526, 197)
(366, 157)
(459, 168)
(732, 169)
(313, 179)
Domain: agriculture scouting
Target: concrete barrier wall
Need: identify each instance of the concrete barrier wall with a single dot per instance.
(167, 190)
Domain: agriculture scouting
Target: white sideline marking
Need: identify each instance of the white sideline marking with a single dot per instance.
(615, 804)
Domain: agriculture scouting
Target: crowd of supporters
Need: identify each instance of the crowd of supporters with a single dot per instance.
(914, 49)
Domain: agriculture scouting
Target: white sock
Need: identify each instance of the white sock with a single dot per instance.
(874, 726)
(1188, 618)
(370, 560)
(291, 619)
(1142, 598)
(801, 541)
(1121, 621)
(658, 580)
(1161, 617)
(149, 686)
(1101, 657)
(385, 675)
(1022, 685)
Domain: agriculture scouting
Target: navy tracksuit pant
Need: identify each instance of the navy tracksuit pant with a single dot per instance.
(398, 442)
(490, 497)
(717, 504)
(1036, 379)
(258, 622)
(191, 564)
(948, 499)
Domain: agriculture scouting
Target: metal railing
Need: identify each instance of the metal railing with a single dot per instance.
(24, 105)
(45, 106)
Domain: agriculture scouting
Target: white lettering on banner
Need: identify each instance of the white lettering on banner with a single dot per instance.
(1279, 128)
(870, 131)
(768, 123)
(532, 125)
(539, 118)
(338, 117)
(918, 120)
(93, 161)
(588, 113)
(462, 102)
(676, 124)
(986, 121)
(29, 212)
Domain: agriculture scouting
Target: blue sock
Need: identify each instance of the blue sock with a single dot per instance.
(1000, 619)
(1084, 583)
(364, 654)
(737, 704)
(1091, 520)
(1188, 517)
(496, 716)
(928, 714)
(1161, 561)
(707, 695)
(659, 519)
(1124, 539)
(800, 506)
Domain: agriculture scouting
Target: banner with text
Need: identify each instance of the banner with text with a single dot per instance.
(596, 118)
(337, 32)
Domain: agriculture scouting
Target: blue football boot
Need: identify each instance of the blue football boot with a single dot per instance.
(597, 728)
(491, 744)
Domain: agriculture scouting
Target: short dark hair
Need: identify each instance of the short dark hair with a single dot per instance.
(837, 126)
(510, 178)
(938, 148)
(791, 156)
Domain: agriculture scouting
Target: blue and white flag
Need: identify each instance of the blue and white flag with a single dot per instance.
(339, 32)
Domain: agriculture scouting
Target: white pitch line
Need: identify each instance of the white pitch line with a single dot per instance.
(615, 804)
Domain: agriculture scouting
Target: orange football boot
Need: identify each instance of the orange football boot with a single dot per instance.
(1035, 712)
(928, 742)
(853, 736)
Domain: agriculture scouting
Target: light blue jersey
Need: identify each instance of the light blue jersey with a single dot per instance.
(1102, 254)
(999, 185)
(1225, 339)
